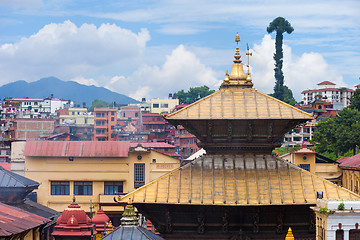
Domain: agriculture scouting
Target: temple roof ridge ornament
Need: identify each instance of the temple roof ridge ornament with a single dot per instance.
(237, 76)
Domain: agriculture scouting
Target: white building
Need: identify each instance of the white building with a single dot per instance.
(337, 219)
(36, 107)
(328, 92)
(163, 105)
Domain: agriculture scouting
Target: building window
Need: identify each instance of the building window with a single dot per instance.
(139, 174)
(165, 105)
(155, 105)
(83, 188)
(112, 119)
(111, 188)
(60, 187)
(112, 113)
(305, 167)
(354, 234)
(136, 114)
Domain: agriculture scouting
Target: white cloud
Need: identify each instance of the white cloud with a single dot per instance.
(85, 81)
(300, 72)
(181, 70)
(65, 50)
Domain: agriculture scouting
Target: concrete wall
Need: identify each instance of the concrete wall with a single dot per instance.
(18, 158)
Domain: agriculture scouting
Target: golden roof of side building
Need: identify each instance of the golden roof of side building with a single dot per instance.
(238, 180)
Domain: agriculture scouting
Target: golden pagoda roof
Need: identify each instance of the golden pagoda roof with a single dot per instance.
(239, 103)
(238, 180)
(238, 100)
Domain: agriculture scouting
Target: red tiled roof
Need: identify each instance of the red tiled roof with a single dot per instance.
(353, 162)
(6, 165)
(321, 90)
(340, 160)
(14, 220)
(171, 154)
(152, 145)
(186, 136)
(77, 148)
(304, 146)
(158, 122)
(326, 83)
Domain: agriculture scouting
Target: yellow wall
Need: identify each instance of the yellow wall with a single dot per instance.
(351, 179)
(305, 158)
(324, 170)
(47, 169)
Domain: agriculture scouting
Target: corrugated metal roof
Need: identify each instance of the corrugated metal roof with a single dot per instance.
(152, 144)
(131, 233)
(15, 220)
(77, 148)
(239, 103)
(10, 179)
(353, 162)
(238, 180)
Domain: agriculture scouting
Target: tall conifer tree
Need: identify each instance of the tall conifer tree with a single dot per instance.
(280, 25)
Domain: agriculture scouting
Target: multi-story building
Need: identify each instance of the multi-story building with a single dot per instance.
(92, 171)
(328, 92)
(76, 116)
(34, 107)
(105, 121)
(185, 142)
(163, 105)
(24, 129)
(156, 126)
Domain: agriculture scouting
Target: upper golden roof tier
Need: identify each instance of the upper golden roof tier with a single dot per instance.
(237, 75)
(237, 103)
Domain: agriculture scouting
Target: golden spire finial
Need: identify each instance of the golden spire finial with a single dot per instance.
(248, 54)
(237, 55)
(237, 38)
(226, 79)
(289, 235)
(130, 201)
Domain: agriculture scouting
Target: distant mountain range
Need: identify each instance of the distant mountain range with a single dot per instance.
(68, 90)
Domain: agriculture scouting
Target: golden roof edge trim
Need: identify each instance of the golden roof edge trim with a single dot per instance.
(194, 103)
(281, 102)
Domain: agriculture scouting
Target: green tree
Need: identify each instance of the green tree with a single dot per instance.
(355, 100)
(97, 103)
(193, 94)
(280, 25)
(325, 136)
(288, 96)
(339, 134)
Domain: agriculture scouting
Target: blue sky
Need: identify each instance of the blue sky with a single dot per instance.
(151, 48)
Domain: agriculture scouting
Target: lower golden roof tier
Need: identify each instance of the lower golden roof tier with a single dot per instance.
(238, 180)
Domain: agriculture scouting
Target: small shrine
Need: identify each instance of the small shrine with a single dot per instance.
(238, 189)
(73, 224)
(102, 223)
(130, 229)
